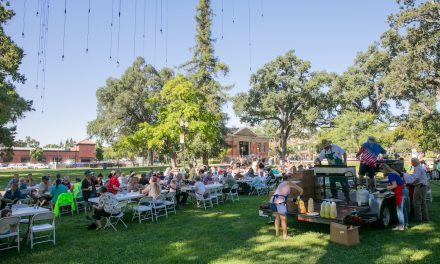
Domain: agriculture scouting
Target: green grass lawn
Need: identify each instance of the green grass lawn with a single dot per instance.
(6, 175)
(230, 233)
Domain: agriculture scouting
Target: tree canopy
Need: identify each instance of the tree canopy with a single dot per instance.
(12, 105)
(285, 93)
(352, 128)
(361, 87)
(123, 104)
(413, 41)
(203, 70)
(181, 110)
(36, 154)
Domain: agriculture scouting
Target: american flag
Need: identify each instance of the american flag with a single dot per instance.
(367, 157)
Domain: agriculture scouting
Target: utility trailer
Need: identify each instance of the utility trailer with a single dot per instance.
(380, 209)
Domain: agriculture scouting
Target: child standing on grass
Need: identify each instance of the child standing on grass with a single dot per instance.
(279, 204)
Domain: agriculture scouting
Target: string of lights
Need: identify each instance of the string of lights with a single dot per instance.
(135, 29)
(24, 18)
(111, 30)
(64, 27)
(88, 29)
(119, 33)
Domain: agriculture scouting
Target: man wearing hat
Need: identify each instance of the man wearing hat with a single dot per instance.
(335, 155)
(368, 155)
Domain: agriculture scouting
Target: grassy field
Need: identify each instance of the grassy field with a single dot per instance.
(6, 175)
(230, 233)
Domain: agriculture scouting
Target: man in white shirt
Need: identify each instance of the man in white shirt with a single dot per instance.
(43, 191)
(335, 155)
(200, 188)
(419, 197)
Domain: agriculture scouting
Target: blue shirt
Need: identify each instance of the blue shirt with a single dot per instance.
(11, 195)
(375, 148)
(55, 192)
(394, 177)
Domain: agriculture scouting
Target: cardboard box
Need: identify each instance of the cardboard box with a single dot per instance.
(344, 235)
(307, 182)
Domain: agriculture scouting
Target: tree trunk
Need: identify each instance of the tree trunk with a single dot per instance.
(150, 157)
(283, 151)
(205, 159)
(173, 160)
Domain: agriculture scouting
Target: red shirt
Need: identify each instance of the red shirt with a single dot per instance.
(113, 182)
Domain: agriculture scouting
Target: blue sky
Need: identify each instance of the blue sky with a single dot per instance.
(327, 33)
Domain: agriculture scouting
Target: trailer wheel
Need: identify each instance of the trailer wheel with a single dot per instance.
(385, 216)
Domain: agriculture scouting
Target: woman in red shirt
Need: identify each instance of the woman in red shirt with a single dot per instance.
(113, 183)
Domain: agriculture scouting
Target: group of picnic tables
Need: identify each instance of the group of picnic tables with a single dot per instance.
(27, 212)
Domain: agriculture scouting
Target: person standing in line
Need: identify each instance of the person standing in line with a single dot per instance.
(420, 187)
(397, 185)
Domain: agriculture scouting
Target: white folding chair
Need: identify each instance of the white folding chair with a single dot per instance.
(206, 202)
(428, 196)
(115, 218)
(80, 203)
(233, 193)
(170, 202)
(37, 227)
(144, 209)
(159, 207)
(213, 195)
(13, 224)
(219, 193)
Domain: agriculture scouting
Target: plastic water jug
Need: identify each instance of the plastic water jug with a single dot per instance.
(333, 211)
(310, 206)
(327, 210)
(362, 196)
(322, 211)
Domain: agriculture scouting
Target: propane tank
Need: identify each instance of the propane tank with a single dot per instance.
(310, 206)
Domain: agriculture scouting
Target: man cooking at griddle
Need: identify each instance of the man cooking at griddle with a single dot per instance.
(335, 155)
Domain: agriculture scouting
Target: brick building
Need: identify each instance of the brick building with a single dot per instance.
(243, 142)
(83, 151)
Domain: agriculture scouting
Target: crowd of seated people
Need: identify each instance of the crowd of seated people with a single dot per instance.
(151, 183)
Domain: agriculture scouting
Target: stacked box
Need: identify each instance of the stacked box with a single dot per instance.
(307, 183)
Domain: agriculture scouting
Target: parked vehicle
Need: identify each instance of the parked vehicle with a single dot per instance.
(41, 166)
(17, 166)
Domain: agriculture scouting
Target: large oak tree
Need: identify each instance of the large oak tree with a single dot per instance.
(287, 94)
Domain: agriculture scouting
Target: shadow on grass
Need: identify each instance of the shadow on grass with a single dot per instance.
(230, 233)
